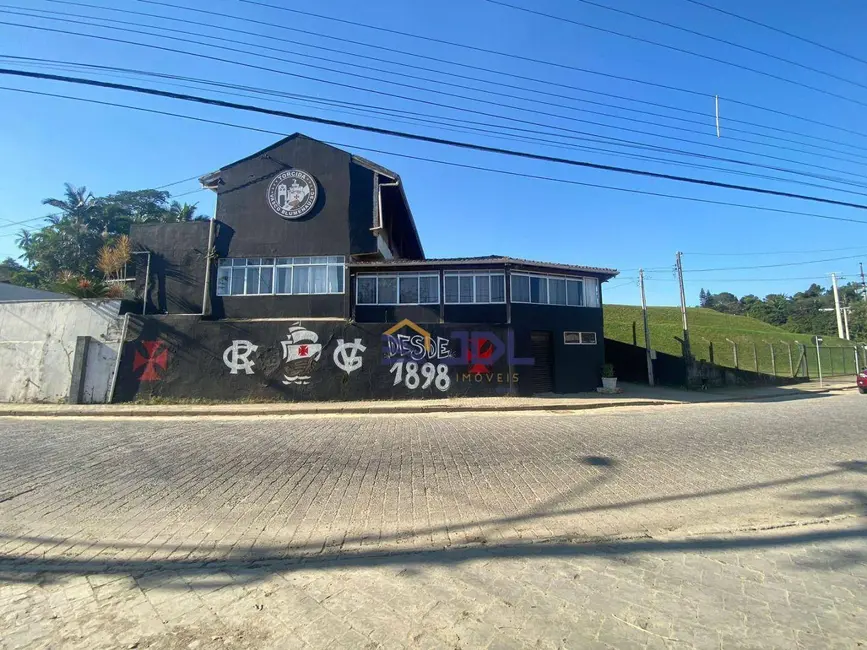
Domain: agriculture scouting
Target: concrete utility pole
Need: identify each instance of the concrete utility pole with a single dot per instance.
(863, 281)
(845, 311)
(687, 353)
(646, 329)
(837, 306)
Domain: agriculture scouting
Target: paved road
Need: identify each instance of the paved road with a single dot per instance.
(735, 524)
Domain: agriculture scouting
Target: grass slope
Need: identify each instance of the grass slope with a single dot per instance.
(709, 330)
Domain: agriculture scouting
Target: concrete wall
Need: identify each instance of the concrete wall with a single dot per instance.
(37, 349)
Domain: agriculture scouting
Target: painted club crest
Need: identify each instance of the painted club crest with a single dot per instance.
(301, 352)
(292, 193)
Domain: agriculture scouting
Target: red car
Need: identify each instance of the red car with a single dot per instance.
(861, 379)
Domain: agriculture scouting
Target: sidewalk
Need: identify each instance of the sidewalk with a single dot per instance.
(632, 395)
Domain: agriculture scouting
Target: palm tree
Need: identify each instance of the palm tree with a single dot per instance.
(181, 213)
(24, 240)
(78, 209)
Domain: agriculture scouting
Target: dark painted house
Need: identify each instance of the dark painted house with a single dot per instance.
(311, 283)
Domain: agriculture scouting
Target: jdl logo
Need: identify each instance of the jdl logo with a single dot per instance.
(483, 349)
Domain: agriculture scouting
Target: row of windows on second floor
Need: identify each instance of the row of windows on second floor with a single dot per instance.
(259, 276)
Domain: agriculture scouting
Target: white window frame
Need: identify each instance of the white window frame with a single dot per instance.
(586, 282)
(581, 340)
(474, 274)
(397, 276)
(328, 264)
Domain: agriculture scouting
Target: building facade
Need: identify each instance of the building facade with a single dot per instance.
(311, 283)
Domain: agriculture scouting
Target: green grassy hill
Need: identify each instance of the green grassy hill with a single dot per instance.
(709, 330)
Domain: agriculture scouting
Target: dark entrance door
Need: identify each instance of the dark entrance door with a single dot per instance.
(541, 374)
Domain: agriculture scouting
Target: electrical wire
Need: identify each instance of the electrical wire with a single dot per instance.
(681, 50)
(555, 64)
(773, 266)
(352, 109)
(449, 163)
(778, 30)
(536, 92)
(529, 122)
(815, 250)
(723, 41)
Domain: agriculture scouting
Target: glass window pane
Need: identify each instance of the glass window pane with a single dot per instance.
(224, 262)
(557, 289)
(588, 338)
(335, 279)
(387, 291)
(520, 288)
(301, 279)
(409, 290)
(451, 288)
(335, 259)
(239, 261)
(366, 291)
(539, 290)
(574, 293)
(284, 279)
(267, 261)
(498, 288)
(318, 279)
(224, 281)
(252, 287)
(591, 292)
(284, 260)
(237, 282)
(266, 280)
(428, 290)
(465, 283)
(483, 288)
(318, 260)
(301, 260)
(254, 261)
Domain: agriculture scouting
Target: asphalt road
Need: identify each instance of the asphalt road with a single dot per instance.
(177, 522)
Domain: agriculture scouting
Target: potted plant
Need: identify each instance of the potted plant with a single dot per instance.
(609, 381)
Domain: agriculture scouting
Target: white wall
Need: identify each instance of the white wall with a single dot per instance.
(37, 348)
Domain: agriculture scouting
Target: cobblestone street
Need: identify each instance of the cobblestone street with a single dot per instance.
(707, 525)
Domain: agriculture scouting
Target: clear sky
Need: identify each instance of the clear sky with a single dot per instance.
(46, 141)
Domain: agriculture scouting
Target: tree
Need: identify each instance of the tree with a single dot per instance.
(71, 241)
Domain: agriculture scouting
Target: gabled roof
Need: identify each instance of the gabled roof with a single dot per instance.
(204, 180)
(486, 259)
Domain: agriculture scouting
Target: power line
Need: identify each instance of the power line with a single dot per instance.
(815, 250)
(772, 266)
(543, 62)
(704, 123)
(674, 48)
(416, 120)
(612, 139)
(715, 39)
(778, 30)
(460, 165)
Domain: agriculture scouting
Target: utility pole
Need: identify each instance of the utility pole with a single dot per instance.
(836, 306)
(646, 329)
(846, 321)
(863, 281)
(687, 353)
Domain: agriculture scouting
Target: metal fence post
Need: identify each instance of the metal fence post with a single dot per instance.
(756, 356)
(831, 359)
(791, 364)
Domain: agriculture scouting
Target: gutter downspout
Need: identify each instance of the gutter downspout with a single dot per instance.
(120, 347)
(206, 293)
(378, 228)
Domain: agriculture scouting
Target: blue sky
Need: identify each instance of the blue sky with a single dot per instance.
(46, 141)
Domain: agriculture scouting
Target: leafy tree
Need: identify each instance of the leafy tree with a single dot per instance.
(71, 242)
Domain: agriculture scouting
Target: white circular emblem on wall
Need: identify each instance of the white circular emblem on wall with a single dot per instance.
(292, 194)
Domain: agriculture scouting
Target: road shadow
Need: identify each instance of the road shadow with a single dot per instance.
(213, 567)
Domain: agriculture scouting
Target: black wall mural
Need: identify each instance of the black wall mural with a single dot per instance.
(186, 357)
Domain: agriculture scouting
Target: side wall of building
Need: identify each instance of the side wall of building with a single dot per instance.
(38, 348)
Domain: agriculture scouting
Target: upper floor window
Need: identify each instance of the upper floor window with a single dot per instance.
(254, 276)
(555, 290)
(474, 287)
(398, 289)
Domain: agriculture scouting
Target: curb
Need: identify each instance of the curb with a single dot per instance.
(367, 410)
(198, 411)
